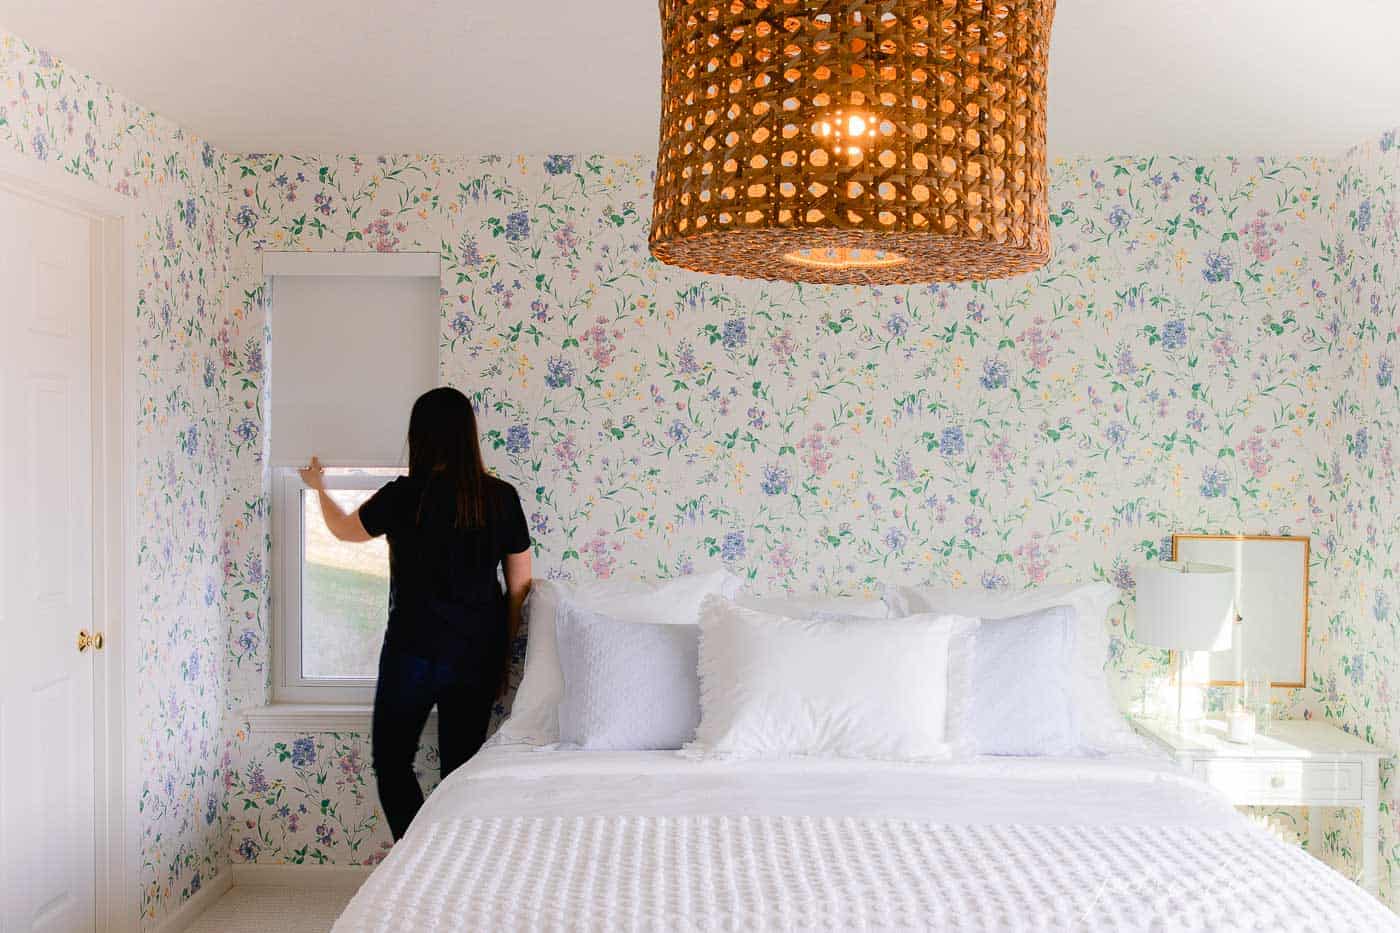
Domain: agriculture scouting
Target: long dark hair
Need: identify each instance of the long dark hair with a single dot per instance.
(443, 446)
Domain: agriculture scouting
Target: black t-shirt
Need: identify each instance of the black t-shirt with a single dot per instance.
(445, 598)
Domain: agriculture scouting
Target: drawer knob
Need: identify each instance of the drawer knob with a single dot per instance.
(1276, 781)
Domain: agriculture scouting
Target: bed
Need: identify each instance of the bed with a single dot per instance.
(524, 839)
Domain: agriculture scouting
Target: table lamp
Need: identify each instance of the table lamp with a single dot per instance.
(1184, 607)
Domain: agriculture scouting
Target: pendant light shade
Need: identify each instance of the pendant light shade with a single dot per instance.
(853, 142)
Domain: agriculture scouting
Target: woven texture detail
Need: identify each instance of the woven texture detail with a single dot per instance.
(790, 873)
(913, 131)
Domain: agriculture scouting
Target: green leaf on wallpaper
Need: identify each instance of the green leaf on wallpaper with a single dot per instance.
(323, 173)
(1225, 452)
(352, 235)
(1056, 219)
(617, 433)
(1229, 235)
(1276, 327)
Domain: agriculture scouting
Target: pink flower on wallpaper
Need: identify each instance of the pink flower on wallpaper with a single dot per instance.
(600, 557)
(599, 344)
(1256, 453)
(1033, 559)
(816, 450)
(1038, 342)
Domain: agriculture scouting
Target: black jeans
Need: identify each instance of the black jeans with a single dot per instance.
(464, 691)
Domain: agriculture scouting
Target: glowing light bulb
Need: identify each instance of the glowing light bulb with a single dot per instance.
(857, 125)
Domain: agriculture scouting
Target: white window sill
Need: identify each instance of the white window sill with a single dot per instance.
(302, 718)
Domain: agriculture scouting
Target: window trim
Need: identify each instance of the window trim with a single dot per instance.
(289, 685)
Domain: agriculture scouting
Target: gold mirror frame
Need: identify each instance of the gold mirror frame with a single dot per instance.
(1307, 596)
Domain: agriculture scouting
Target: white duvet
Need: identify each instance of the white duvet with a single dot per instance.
(524, 840)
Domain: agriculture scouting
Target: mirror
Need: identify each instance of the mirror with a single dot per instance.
(1271, 594)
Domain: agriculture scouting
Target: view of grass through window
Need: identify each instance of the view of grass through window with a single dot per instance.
(344, 595)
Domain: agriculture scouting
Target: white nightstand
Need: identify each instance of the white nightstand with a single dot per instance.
(1298, 764)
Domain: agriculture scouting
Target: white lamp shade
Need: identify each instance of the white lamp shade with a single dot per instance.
(1185, 607)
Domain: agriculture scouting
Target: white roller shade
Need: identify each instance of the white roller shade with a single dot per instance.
(349, 354)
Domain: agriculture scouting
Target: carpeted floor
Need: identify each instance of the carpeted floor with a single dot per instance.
(268, 909)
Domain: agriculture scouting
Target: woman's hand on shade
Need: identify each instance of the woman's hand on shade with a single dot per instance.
(313, 475)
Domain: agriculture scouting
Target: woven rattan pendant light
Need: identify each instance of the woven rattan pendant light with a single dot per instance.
(853, 142)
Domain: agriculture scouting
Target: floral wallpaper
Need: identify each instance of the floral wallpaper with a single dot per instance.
(1356, 635)
(1179, 365)
(177, 424)
(1209, 349)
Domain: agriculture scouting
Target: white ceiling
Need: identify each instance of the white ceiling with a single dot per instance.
(1126, 76)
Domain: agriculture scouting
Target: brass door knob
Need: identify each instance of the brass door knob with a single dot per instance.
(86, 641)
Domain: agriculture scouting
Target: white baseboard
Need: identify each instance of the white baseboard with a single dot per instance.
(301, 876)
(192, 908)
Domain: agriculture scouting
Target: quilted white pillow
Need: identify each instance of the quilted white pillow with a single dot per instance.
(627, 685)
(534, 716)
(772, 686)
(1102, 728)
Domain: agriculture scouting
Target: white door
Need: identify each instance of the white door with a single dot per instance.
(47, 846)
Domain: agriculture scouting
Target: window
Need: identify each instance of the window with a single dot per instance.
(354, 340)
(332, 597)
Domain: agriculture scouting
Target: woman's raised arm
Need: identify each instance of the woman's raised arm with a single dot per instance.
(346, 527)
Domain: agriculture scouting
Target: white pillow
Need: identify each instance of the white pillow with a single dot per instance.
(772, 686)
(816, 606)
(628, 686)
(534, 716)
(1102, 728)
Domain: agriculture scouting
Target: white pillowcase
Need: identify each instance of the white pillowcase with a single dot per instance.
(628, 686)
(1102, 728)
(816, 606)
(772, 686)
(534, 716)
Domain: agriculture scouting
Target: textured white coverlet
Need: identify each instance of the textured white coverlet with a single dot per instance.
(529, 840)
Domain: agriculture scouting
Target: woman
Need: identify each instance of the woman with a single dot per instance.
(450, 525)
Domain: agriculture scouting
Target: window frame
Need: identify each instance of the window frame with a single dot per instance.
(289, 685)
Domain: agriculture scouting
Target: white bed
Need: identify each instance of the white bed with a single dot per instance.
(524, 839)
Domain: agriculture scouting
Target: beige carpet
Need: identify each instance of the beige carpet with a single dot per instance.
(268, 909)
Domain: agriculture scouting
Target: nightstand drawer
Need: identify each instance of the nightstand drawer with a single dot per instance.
(1282, 781)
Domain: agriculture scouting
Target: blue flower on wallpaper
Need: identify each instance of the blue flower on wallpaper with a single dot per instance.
(1214, 482)
(246, 431)
(1360, 443)
(461, 324)
(992, 580)
(1387, 141)
(559, 164)
(951, 442)
(732, 547)
(211, 811)
(559, 373)
(517, 438)
(206, 155)
(1385, 371)
(995, 374)
(895, 539)
(1380, 606)
(249, 849)
(897, 324)
(734, 334)
(1363, 216)
(246, 217)
(248, 641)
(1356, 669)
(1116, 434)
(678, 432)
(1174, 334)
(1218, 267)
(304, 752)
(517, 225)
(776, 480)
(1119, 217)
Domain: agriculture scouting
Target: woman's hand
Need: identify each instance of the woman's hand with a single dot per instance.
(314, 475)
